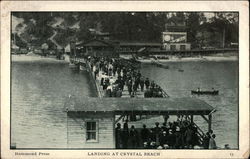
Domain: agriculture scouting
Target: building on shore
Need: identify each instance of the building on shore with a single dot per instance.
(175, 36)
(96, 47)
(113, 48)
(137, 47)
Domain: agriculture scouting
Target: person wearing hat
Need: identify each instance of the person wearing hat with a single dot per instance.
(164, 127)
(178, 138)
(147, 93)
(206, 140)
(119, 93)
(147, 83)
(152, 145)
(133, 136)
(142, 84)
(163, 138)
(125, 135)
(145, 145)
(212, 143)
(157, 131)
(129, 85)
(165, 146)
(171, 139)
(118, 136)
(144, 134)
(189, 134)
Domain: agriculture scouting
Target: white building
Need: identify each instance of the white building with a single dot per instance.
(175, 41)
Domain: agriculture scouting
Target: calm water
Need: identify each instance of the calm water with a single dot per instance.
(38, 95)
(206, 75)
(39, 90)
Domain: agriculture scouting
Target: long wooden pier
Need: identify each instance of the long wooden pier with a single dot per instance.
(146, 116)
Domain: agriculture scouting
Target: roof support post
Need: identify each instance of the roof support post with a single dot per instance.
(209, 122)
(114, 122)
(192, 118)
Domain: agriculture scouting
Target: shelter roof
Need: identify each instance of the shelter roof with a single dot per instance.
(150, 105)
(139, 44)
(95, 42)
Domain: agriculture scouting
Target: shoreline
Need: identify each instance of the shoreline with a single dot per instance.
(194, 59)
(35, 58)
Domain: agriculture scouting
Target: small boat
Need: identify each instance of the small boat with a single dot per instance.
(73, 65)
(180, 70)
(82, 66)
(158, 64)
(214, 92)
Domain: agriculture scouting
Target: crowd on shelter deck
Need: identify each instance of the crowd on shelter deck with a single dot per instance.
(115, 73)
(180, 134)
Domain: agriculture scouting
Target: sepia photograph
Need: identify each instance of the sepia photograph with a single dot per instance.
(124, 80)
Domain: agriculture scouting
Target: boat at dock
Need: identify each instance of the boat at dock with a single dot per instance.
(82, 66)
(214, 92)
(159, 64)
(73, 65)
(78, 64)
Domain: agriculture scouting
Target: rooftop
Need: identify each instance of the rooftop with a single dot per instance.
(97, 42)
(139, 44)
(146, 105)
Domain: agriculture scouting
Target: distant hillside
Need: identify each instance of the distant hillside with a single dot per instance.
(35, 29)
(59, 28)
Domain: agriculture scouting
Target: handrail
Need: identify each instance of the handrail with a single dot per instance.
(200, 133)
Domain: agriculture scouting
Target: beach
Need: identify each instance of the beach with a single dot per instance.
(35, 58)
(193, 59)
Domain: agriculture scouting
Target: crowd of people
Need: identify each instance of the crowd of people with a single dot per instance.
(117, 73)
(114, 75)
(180, 134)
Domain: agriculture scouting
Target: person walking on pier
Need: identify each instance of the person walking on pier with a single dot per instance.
(147, 83)
(152, 85)
(96, 72)
(142, 84)
(119, 93)
(129, 85)
(134, 88)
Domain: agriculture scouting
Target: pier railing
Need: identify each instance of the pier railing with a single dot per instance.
(200, 133)
(96, 83)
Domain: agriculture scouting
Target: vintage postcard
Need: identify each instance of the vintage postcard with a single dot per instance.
(123, 79)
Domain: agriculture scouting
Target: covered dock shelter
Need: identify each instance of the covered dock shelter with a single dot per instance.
(91, 121)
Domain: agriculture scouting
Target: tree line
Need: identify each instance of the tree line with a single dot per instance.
(203, 29)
